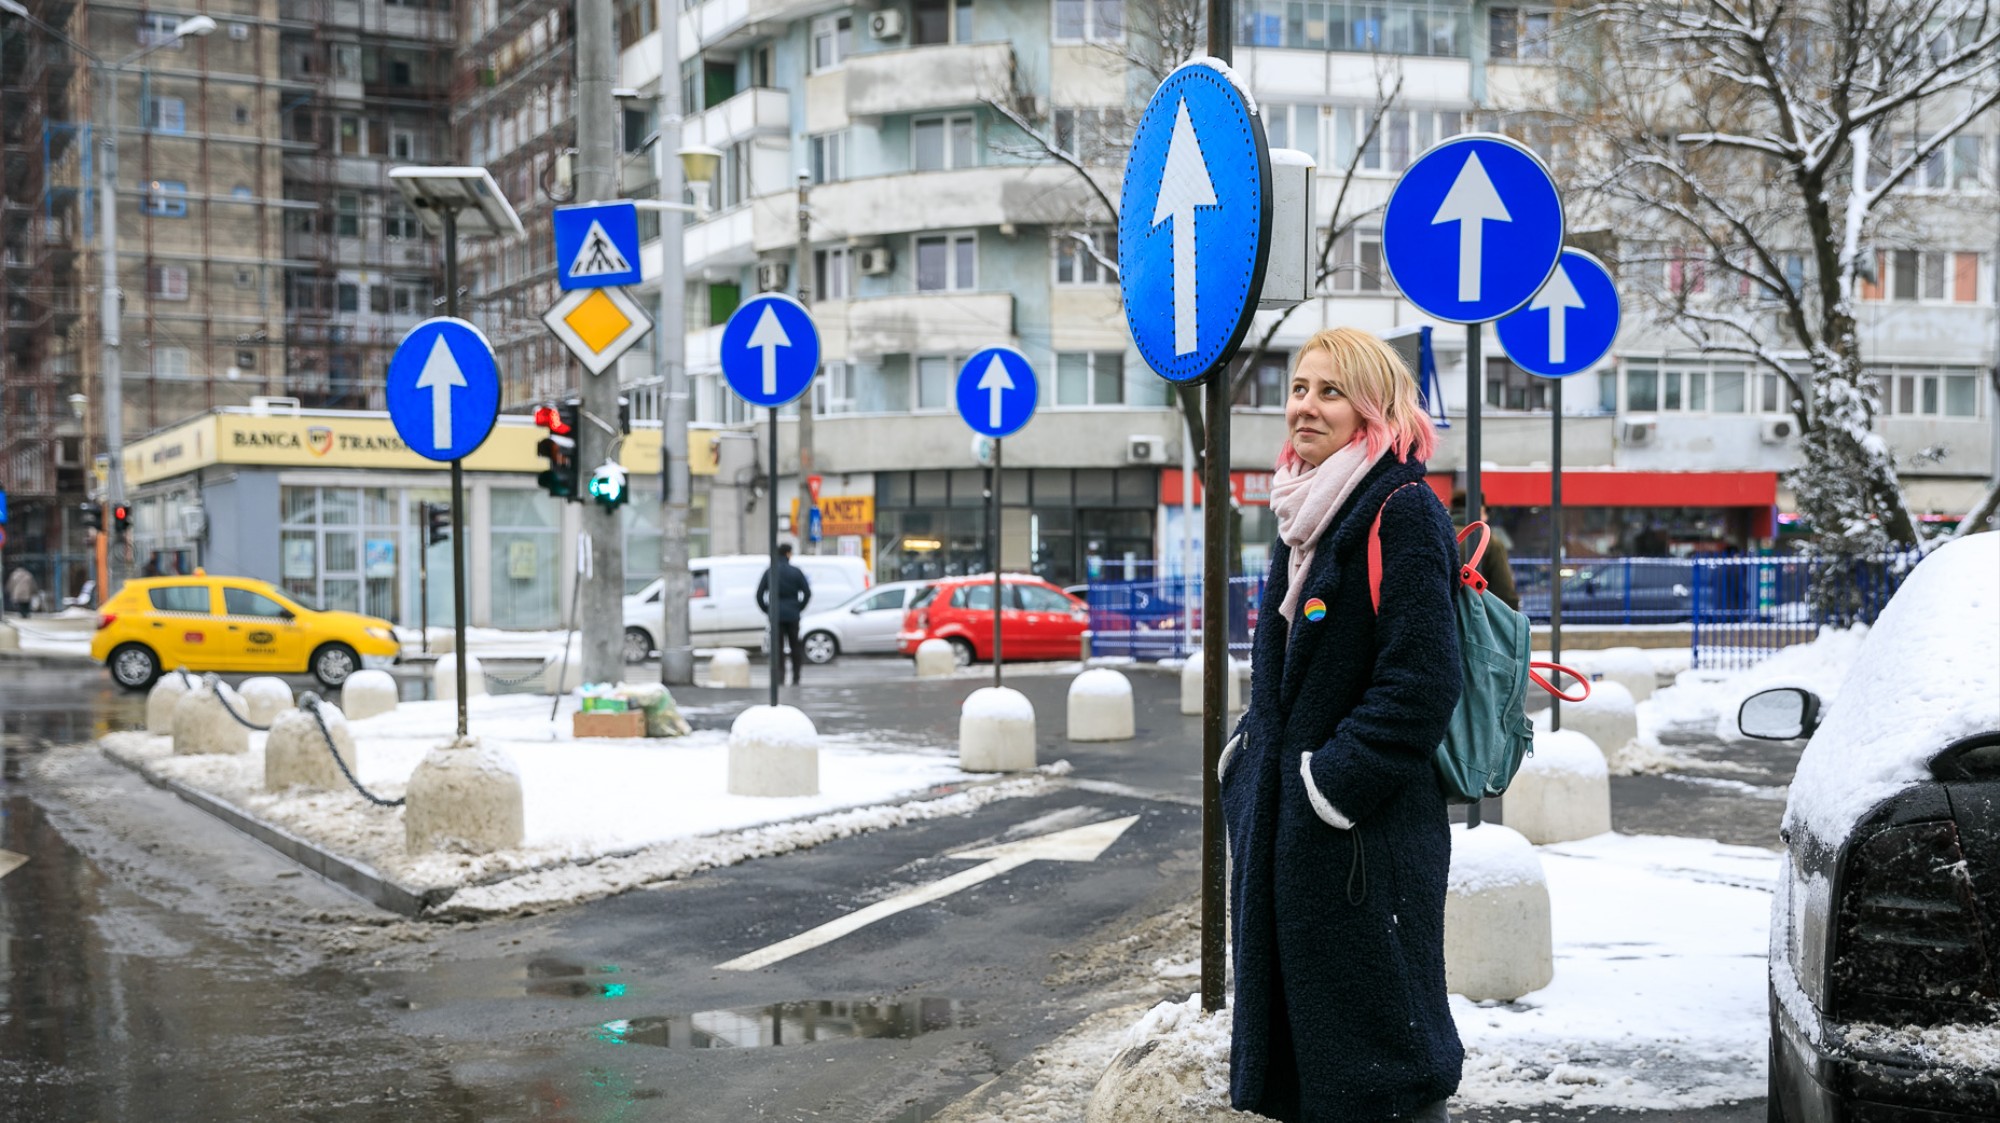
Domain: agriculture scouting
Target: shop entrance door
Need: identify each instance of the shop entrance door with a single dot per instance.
(1115, 545)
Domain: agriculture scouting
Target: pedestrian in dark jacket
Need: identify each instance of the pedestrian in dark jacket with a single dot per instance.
(1338, 838)
(794, 593)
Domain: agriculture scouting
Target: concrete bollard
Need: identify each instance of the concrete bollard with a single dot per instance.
(10, 637)
(1497, 939)
(1191, 684)
(1157, 1078)
(773, 751)
(729, 666)
(996, 731)
(367, 693)
(1100, 707)
(442, 641)
(936, 659)
(296, 754)
(167, 692)
(1563, 791)
(444, 678)
(1629, 667)
(201, 725)
(464, 797)
(266, 698)
(1608, 717)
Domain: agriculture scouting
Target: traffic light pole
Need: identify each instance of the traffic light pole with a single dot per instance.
(597, 113)
(424, 577)
(459, 655)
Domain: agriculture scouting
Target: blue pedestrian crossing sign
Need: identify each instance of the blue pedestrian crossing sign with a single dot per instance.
(1194, 228)
(443, 389)
(997, 392)
(1473, 228)
(597, 245)
(770, 349)
(1568, 326)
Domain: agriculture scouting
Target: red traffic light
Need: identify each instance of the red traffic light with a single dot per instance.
(548, 417)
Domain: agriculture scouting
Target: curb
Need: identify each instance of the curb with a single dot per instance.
(47, 659)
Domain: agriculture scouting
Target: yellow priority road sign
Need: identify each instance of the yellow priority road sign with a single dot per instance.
(597, 325)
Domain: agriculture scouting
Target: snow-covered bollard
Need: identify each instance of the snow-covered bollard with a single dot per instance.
(167, 693)
(444, 678)
(1629, 667)
(466, 797)
(367, 693)
(266, 697)
(773, 751)
(730, 666)
(1191, 675)
(1100, 707)
(1497, 940)
(936, 659)
(440, 641)
(1173, 1064)
(1562, 792)
(201, 725)
(1608, 717)
(296, 752)
(996, 731)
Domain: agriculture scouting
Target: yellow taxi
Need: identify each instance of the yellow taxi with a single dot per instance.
(207, 623)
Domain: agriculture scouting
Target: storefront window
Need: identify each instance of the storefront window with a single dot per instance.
(1058, 523)
(524, 559)
(339, 548)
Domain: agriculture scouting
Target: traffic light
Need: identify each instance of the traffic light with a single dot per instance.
(93, 516)
(561, 477)
(121, 518)
(608, 485)
(437, 522)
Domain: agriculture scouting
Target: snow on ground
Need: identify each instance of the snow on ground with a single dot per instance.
(584, 800)
(42, 636)
(1704, 702)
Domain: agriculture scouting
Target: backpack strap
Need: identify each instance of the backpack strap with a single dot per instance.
(1560, 670)
(1468, 574)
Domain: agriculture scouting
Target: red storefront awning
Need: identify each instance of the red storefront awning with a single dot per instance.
(1594, 487)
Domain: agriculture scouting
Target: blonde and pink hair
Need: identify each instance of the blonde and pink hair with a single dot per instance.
(1379, 387)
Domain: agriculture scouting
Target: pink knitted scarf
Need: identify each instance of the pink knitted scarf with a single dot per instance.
(1305, 499)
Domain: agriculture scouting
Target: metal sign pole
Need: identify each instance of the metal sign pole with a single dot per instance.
(457, 488)
(1473, 388)
(997, 589)
(1556, 540)
(424, 576)
(771, 501)
(1214, 693)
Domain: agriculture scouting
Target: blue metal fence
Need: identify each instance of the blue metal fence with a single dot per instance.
(1145, 618)
(1745, 608)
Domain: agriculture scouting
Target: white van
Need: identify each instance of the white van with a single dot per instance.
(722, 607)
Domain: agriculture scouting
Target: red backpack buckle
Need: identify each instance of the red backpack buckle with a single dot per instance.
(1471, 579)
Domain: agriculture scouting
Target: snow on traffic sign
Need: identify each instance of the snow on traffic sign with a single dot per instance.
(1195, 221)
(1473, 228)
(597, 245)
(1569, 325)
(996, 392)
(770, 349)
(443, 389)
(598, 325)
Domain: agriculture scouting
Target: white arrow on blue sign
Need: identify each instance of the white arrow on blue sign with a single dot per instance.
(997, 392)
(1569, 325)
(597, 245)
(1473, 228)
(443, 389)
(770, 349)
(1194, 226)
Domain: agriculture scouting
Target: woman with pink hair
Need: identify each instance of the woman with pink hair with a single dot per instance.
(1339, 842)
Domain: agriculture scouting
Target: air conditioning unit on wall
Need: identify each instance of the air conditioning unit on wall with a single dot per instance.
(1777, 430)
(885, 24)
(1145, 450)
(1638, 432)
(771, 276)
(874, 260)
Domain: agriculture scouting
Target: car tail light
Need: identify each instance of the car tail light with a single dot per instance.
(104, 620)
(1909, 947)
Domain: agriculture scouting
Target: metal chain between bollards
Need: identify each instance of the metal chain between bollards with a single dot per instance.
(245, 722)
(310, 704)
(491, 677)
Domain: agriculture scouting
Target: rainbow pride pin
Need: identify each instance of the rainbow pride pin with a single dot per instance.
(1315, 609)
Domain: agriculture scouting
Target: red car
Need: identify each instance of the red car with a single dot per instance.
(1037, 620)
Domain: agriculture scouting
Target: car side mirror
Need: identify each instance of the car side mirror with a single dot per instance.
(1785, 713)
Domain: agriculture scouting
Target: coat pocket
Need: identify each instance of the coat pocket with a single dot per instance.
(1222, 762)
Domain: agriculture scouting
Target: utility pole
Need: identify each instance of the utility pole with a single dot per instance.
(803, 261)
(598, 436)
(670, 364)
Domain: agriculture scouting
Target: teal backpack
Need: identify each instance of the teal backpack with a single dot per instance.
(1489, 734)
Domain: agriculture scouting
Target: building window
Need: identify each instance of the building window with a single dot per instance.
(410, 298)
(1266, 389)
(165, 198)
(402, 144)
(1519, 32)
(833, 273)
(1910, 391)
(157, 29)
(833, 390)
(936, 379)
(941, 143)
(166, 114)
(1090, 20)
(167, 282)
(347, 297)
(832, 39)
(170, 362)
(1090, 378)
(1091, 135)
(940, 21)
(353, 136)
(1511, 388)
(1077, 265)
(635, 21)
(829, 157)
(1414, 27)
(947, 262)
(347, 216)
(1401, 135)
(1357, 263)
(1293, 126)
(399, 223)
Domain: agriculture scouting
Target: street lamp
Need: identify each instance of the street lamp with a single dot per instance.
(699, 162)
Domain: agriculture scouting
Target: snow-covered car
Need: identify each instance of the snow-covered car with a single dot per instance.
(866, 624)
(1885, 929)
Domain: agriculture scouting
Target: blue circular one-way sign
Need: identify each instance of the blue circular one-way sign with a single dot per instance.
(996, 392)
(1194, 227)
(443, 389)
(1569, 325)
(770, 349)
(1473, 228)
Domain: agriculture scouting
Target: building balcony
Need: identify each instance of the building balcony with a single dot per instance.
(966, 197)
(750, 113)
(912, 80)
(729, 24)
(732, 238)
(931, 322)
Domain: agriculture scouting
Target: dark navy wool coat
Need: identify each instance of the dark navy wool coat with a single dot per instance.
(1340, 1008)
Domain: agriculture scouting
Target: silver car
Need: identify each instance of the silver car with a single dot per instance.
(866, 624)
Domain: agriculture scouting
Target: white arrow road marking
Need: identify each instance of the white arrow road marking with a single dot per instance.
(1557, 296)
(1079, 844)
(768, 336)
(10, 861)
(996, 381)
(440, 374)
(1184, 185)
(1472, 202)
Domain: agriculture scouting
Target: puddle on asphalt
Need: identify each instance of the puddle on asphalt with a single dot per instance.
(790, 1023)
(556, 978)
